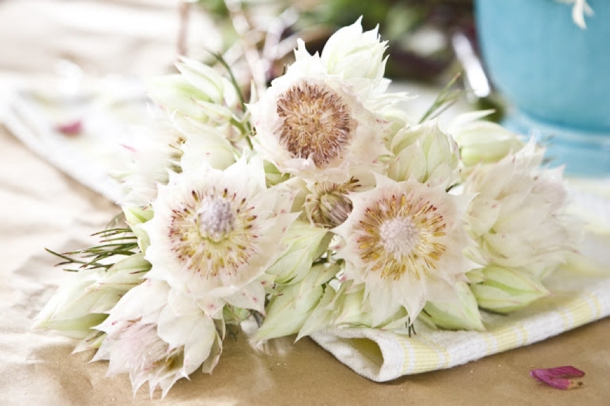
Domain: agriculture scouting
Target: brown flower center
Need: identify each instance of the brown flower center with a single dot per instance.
(317, 123)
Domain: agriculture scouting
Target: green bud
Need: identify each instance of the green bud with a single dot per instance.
(273, 176)
(459, 314)
(208, 81)
(425, 153)
(84, 302)
(135, 217)
(176, 94)
(505, 290)
(304, 243)
(292, 305)
(485, 142)
(346, 306)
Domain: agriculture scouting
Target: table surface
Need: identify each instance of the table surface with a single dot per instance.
(41, 207)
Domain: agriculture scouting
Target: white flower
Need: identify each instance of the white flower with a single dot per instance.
(353, 53)
(518, 216)
(154, 151)
(199, 92)
(215, 233)
(158, 335)
(425, 153)
(136, 349)
(83, 302)
(172, 144)
(482, 141)
(311, 124)
(404, 241)
(356, 56)
(579, 10)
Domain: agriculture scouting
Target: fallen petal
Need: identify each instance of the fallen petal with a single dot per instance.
(558, 377)
(72, 128)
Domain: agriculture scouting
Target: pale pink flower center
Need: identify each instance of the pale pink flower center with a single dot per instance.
(213, 233)
(399, 235)
(216, 218)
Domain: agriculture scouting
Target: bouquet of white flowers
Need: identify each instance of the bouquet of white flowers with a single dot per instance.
(315, 205)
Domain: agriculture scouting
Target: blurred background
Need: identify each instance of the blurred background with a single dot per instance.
(430, 43)
(142, 37)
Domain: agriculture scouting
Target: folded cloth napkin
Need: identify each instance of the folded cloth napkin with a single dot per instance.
(580, 295)
(577, 299)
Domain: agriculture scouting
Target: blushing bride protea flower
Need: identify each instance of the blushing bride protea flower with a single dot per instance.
(158, 336)
(214, 233)
(357, 57)
(353, 54)
(136, 349)
(313, 124)
(518, 217)
(404, 241)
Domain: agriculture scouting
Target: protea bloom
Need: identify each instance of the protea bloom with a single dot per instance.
(518, 216)
(313, 121)
(404, 241)
(158, 335)
(214, 233)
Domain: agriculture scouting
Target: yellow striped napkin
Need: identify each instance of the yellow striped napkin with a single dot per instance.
(381, 356)
(580, 295)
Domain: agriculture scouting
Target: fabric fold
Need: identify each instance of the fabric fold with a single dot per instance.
(383, 356)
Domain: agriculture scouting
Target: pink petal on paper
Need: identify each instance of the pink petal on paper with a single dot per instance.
(558, 377)
(71, 128)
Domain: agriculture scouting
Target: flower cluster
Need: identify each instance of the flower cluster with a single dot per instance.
(317, 205)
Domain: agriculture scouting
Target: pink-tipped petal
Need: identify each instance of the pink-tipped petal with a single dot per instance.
(558, 377)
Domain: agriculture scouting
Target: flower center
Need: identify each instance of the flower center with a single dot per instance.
(316, 122)
(401, 233)
(399, 236)
(216, 218)
(213, 232)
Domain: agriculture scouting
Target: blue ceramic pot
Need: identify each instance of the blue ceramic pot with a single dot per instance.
(555, 75)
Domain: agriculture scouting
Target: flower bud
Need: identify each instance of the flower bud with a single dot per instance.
(135, 217)
(485, 142)
(328, 205)
(204, 143)
(462, 313)
(505, 290)
(347, 307)
(305, 243)
(84, 303)
(288, 310)
(352, 53)
(425, 153)
(199, 92)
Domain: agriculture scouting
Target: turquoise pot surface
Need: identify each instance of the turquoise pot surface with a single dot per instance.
(554, 74)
